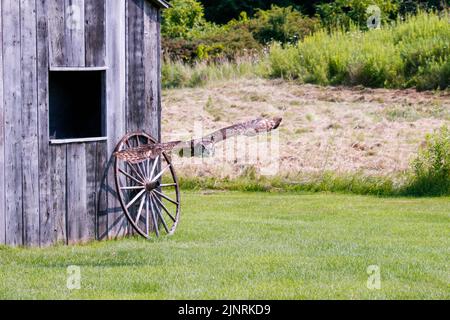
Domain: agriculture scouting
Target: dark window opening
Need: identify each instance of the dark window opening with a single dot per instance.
(76, 104)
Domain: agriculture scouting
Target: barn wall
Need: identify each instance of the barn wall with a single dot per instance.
(77, 33)
(12, 103)
(72, 172)
(111, 222)
(143, 109)
(66, 193)
(2, 143)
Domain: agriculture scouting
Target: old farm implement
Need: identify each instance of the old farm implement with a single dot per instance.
(146, 182)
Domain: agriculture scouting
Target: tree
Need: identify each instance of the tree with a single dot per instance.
(182, 17)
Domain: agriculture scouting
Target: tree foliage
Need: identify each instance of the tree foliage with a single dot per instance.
(182, 17)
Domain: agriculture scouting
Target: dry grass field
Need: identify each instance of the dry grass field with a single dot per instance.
(343, 130)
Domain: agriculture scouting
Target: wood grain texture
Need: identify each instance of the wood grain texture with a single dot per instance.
(74, 29)
(55, 10)
(13, 121)
(30, 162)
(95, 32)
(151, 70)
(58, 192)
(136, 108)
(76, 194)
(89, 222)
(46, 215)
(115, 106)
(66, 193)
(2, 143)
(159, 74)
(101, 187)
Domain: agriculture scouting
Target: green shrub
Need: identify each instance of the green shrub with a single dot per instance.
(228, 42)
(188, 37)
(191, 39)
(179, 49)
(431, 168)
(284, 25)
(182, 17)
(411, 53)
(345, 13)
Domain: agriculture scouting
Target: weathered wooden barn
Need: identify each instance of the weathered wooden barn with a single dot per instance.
(76, 75)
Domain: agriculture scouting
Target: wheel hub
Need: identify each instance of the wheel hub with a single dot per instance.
(150, 186)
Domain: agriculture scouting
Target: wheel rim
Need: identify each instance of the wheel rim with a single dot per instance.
(148, 191)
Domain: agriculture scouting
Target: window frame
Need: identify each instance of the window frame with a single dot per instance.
(103, 137)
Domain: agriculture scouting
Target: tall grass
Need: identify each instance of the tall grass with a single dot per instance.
(411, 53)
(327, 182)
(176, 74)
(431, 168)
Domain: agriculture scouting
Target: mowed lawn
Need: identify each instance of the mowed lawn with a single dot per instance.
(256, 246)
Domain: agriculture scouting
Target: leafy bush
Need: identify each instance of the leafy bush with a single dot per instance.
(284, 25)
(411, 53)
(182, 17)
(345, 13)
(431, 168)
(188, 37)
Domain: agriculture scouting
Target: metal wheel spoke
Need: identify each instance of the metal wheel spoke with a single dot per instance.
(168, 185)
(154, 167)
(135, 199)
(159, 214)
(147, 217)
(155, 222)
(141, 206)
(147, 210)
(165, 209)
(141, 170)
(131, 177)
(161, 173)
(132, 188)
(139, 174)
(147, 168)
(165, 197)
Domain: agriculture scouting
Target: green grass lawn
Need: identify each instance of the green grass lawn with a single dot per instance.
(256, 246)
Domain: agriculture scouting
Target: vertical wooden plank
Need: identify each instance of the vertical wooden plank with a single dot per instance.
(30, 162)
(136, 70)
(55, 10)
(89, 221)
(47, 216)
(13, 124)
(151, 69)
(66, 33)
(159, 71)
(58, 192)
(74, 44)
(76, 194)
(115, 105)
(102, 190)
(95, 33)
(2, 142)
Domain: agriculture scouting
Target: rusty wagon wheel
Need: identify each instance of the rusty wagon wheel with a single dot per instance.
(148, 191)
